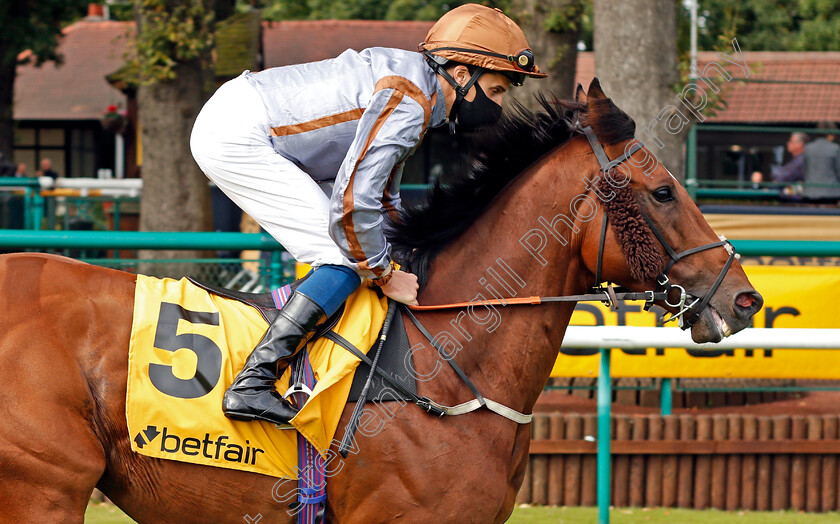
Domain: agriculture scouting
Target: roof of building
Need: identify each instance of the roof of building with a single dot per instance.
(300, 41)
(783, 87)
(76, 89)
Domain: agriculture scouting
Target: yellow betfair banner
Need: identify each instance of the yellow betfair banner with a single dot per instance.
(794, 297)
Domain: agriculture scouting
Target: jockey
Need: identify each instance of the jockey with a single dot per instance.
(281, 141)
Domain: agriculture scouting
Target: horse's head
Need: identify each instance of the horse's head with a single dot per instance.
(656, 238)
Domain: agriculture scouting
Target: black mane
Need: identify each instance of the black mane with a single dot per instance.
(521, 138)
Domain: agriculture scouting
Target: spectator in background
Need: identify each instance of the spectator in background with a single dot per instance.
(821, 165)
(791, 171)
(46, 169)
(756, 179)
(21, 171)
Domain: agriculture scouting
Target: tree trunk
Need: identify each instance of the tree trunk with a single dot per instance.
(7, 95)
(555, 50)
(636, 61)
(176, 195)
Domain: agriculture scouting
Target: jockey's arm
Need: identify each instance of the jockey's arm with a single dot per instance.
(388, 130)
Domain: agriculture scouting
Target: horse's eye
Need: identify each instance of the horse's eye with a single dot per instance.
(663, 194)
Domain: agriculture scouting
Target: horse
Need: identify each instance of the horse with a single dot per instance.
(538, 213)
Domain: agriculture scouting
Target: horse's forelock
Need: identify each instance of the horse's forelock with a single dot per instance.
(640, 247)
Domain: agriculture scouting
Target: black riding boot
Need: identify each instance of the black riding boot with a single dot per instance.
(252, 396)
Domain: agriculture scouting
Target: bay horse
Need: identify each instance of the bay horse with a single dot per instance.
(526, 220)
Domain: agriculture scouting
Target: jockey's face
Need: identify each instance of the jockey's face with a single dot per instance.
(494, 85)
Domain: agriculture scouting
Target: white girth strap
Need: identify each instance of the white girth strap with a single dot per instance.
(495, 407)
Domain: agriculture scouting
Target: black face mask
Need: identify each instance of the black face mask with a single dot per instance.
(481, 112)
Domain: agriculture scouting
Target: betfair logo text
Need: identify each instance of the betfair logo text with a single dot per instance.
(216, 449)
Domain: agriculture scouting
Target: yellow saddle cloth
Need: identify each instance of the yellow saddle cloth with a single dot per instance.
(187, 345)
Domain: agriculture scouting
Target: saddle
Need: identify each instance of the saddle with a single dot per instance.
(392, 362)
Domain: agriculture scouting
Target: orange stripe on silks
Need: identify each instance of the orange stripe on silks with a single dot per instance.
(318, 123)
(366, 267)
(391, 209)
(349, 205)
(403, 85)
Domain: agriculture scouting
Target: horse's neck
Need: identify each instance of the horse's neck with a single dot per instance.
(511, 349)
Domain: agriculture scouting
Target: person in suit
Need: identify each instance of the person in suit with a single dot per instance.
(821, 168)
(46, 169)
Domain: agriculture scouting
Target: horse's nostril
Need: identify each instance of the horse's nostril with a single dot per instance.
(745, 300)
(749, 300)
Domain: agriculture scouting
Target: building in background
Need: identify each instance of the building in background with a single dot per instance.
(59, 108)
(784, 89)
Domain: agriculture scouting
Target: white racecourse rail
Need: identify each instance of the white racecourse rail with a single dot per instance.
(630, 337)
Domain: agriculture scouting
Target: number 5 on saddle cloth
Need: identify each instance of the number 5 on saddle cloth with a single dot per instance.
(180, 364)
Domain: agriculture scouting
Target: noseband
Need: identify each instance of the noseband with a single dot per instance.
(665, 288)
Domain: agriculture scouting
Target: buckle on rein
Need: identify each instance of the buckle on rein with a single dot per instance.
(426, 405)
(610, 299)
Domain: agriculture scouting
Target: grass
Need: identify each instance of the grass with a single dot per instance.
(108, 514)
(105, 514)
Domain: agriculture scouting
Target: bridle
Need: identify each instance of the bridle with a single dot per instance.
(664, 285)
(671, 294)
(606, 294)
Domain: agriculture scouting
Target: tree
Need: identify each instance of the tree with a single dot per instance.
(761, 25)
(34, 26)
(173, 68)
(636, 61)
(325, 9)
(553, 28)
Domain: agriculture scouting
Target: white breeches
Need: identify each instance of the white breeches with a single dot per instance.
(231, 143)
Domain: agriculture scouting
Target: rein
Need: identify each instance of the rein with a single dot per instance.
(607, 295)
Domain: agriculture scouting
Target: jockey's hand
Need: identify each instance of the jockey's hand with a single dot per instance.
(402, 287)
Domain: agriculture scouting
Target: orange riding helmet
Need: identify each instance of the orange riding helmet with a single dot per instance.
(482, 36)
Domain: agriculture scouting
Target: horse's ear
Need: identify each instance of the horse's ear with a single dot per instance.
(595, 91)
(580, 94)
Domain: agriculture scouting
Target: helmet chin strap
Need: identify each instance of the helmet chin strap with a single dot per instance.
(460, 90)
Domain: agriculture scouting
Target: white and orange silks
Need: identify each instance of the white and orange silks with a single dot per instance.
(274, 140)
